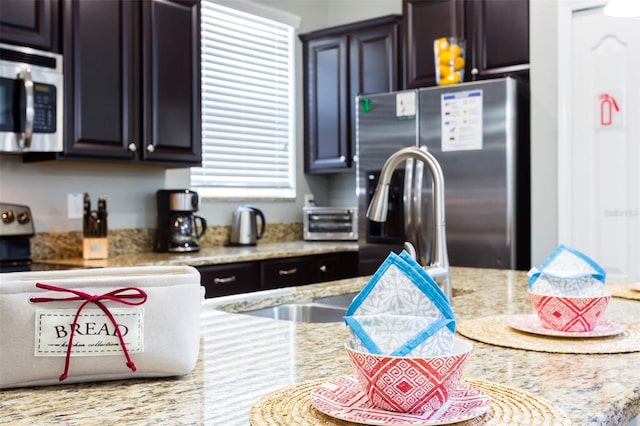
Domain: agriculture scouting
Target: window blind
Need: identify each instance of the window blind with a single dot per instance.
(248, 120)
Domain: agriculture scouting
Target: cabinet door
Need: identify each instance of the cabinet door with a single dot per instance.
(337, 266)
(171, 81)
(288, 272)
(426, 21)
(100, 81)
(326, 105)
(233, 278)
(373, 66)
(500, 33)
(32, 23)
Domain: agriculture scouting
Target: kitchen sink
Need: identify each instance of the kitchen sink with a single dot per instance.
(344, 300)
(301, 312)
(340, 301)
(322, 309)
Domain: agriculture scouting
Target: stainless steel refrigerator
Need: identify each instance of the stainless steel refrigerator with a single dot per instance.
(479, 133)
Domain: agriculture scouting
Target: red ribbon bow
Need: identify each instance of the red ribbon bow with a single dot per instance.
(119, 295)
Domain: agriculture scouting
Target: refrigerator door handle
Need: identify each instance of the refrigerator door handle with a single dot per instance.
(407, 201)
(418, 228)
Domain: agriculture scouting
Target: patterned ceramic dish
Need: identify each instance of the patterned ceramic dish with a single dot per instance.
(570, 313)
(409, 384)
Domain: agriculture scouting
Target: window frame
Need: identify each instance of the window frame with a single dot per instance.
(224, 191)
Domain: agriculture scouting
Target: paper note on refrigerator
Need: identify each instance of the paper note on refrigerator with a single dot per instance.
(461, 120)
(406, 105)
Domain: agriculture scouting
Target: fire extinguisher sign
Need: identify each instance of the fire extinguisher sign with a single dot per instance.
(609, 109)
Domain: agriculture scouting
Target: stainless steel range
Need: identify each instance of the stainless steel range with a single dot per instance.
(16, 230)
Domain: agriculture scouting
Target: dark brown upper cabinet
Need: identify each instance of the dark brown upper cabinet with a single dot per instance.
(338, 64)
(132, 82)
(426, 21)
(30, 23)
(499, 33)
(326, 105)
(171, 81)
(496, 31)
(102, 75)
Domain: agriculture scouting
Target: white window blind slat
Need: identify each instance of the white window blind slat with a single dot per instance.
(247, 105)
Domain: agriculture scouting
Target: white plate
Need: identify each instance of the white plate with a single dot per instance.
(532, 324)
(344, 399)
(635, 286)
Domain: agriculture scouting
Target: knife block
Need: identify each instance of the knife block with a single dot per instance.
(95, 248)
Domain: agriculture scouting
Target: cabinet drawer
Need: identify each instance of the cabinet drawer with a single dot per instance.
(233, 278)
(337, 266)
(288, 272)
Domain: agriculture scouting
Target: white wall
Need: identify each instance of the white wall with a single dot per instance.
(44, 188)
(544, 127)
(342, 12)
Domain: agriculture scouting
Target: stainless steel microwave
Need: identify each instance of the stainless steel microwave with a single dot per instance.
(31, 100)
(330, 223)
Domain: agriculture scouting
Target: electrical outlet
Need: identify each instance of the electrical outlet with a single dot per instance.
(74, 206)
(308, 200)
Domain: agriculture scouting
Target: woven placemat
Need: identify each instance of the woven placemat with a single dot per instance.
(291, 406)
(495, 330)
(623, 291)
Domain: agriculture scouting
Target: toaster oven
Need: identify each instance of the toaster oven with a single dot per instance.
(330, 223)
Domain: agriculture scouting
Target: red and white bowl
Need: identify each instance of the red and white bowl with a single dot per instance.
(570, 313)
(409, 384)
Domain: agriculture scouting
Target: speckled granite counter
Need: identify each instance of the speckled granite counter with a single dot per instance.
(243, 358)
(211, 255)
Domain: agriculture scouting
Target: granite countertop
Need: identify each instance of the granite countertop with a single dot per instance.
(242, 358)
(211, 255)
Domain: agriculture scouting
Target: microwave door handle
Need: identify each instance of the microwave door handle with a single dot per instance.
(24, 140)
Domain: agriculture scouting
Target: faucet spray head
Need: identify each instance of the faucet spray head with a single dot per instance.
(379, 205)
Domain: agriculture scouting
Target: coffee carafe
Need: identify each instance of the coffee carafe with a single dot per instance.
(178, 228)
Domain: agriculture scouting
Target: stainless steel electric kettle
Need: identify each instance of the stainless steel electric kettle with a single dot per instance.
(244, 228)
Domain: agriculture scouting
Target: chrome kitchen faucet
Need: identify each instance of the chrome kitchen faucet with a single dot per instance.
(438, 268)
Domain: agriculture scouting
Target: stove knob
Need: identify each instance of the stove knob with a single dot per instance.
(23, 217)
(8, 217)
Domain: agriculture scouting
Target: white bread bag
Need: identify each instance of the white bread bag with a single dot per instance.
(156, 309)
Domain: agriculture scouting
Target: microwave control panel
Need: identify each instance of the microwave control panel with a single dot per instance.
(44, 105)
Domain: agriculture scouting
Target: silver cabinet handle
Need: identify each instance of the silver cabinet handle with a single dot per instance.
(323, 268)
(474, 71)
(132, 147)
(151, 148)
(225, 280)
(25, 75)
(343, 158)
(288, 272)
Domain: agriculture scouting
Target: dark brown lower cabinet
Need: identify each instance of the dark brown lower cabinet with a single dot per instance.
(230, 278)
(245, 277)
(288, 272)
(309, 269)
(337, 266)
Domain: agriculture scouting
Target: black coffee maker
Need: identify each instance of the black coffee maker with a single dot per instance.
(178, 228)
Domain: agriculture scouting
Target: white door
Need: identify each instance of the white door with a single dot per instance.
(604, 110)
